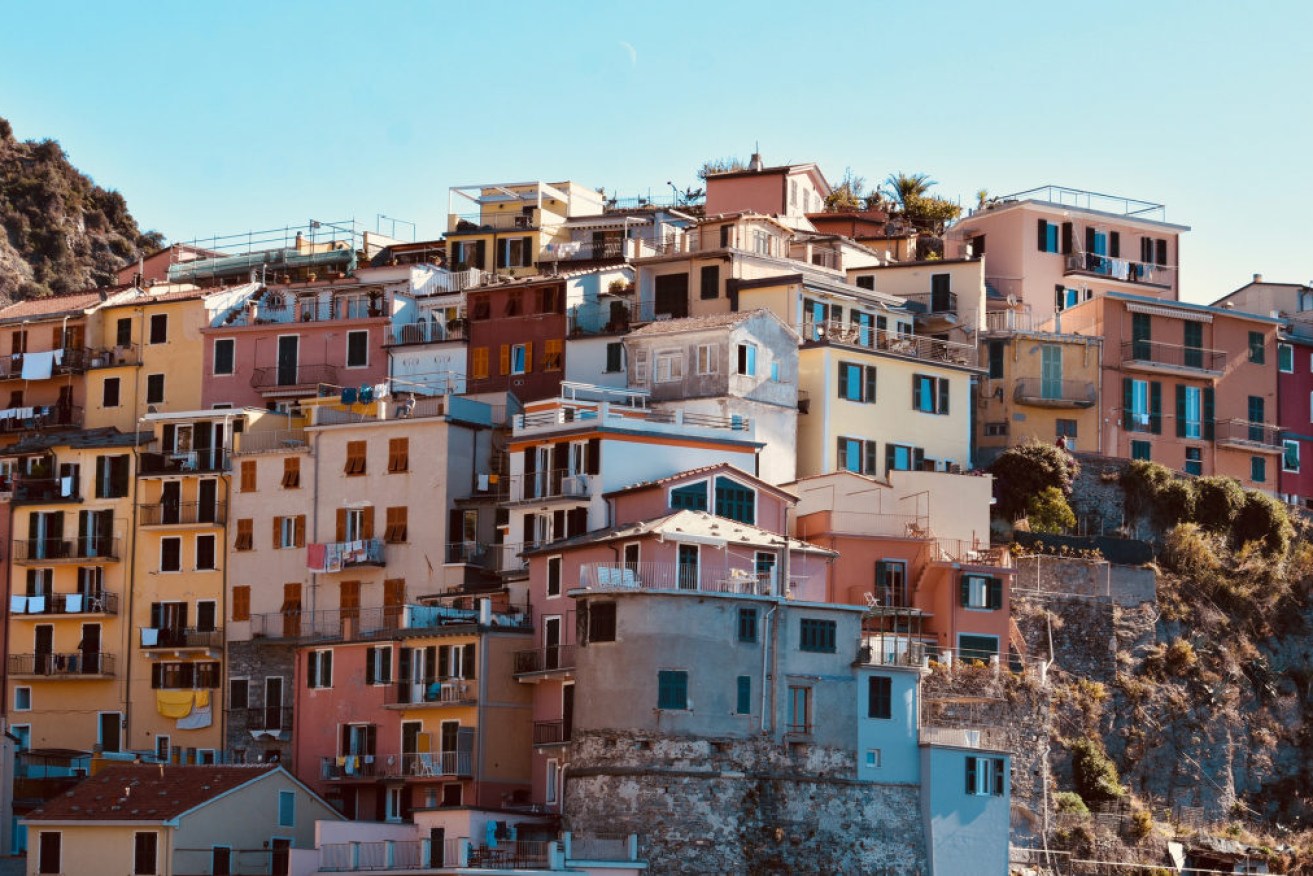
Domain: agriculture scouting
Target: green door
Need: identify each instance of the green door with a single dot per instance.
(1051, 371)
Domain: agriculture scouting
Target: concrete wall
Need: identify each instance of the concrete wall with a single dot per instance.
(887, 747)
(585, 361)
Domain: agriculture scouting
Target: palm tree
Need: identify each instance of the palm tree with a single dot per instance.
(903, 187)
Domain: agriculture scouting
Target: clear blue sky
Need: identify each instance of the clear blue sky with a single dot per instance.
(223, 117)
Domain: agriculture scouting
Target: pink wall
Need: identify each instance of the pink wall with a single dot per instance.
(1296, 418)
(654, 501)
(762, 193)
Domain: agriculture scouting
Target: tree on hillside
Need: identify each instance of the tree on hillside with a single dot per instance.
(900, 187)
(1023, 472)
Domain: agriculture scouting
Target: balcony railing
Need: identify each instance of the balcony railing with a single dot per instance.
(1009, 321)
(1055, 393)
(1121, 269)
(985, 738)
(461, 223)
(182, 513)
(550, 484)
(113, 357)
(65, 550)
(210, 459)
(66, 665)
(32, 365)
(40, 418)
(1157, 353)
(474, 553)
(267, 719)
(430, 332)
(64, 603)
(1247, 434)
(270, 440)
(383, 855)
(293, 376)
(681, 577)
(45, 489)
(432, 692)
(974, 553)
(602, 318)
(550, 733)
(169, 637)
(548, 659)
(587, 250)
(381, 622)
(881, 340)
(340, 555)
(932, 303)
(413, 763)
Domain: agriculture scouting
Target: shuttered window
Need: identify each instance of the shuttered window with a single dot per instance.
(248, 476)
(349, 599)
(553, 355)
(398, 455)
(241, 602)
(291, 472)
(245, 535)
(355, 458)
(479, 363)
(396, 530)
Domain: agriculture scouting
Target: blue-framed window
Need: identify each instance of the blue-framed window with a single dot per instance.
(672, 689)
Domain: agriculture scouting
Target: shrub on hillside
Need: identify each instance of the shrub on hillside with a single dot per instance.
(1049, 512)
(1069, 801)
(1217, 502)
(1094, 773)
(1264, 520)
(1141, 483)
(1175, 502)
(1190, 552)
(1024, 471)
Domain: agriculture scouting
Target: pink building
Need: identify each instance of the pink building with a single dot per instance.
(788, 191)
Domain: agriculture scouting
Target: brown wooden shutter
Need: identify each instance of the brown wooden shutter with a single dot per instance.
(299, 537)
(396, 525)
(367, 522)
(505, 359)
(248, 475)
(292, 597)
(291, 472)
(528, 358)
(278, 532)
(341, 525)
(245, 529)
(349, 599)
(394, 591)
(398, 454)
(241, 603)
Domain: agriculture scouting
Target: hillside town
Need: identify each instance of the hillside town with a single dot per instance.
(603, 535)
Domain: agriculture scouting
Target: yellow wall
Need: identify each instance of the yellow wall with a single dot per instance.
(88, 849)
(1022, 360)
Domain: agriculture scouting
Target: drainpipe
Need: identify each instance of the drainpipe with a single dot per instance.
(765, 666)
(130, 590)
(485, 637)
(223, 603)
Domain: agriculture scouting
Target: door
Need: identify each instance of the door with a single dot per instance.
(632, 553)
(111, 726)
(172, 624)
(688, 567)
(1051, 371)
(207, 495)
(567, 711)
(273, 703)
(437, 847)
(672, 295)
(90, 648)
(171, 502)
(551, 643)
(44, 648)
(289, 351)
(448, 747)
(280, 857)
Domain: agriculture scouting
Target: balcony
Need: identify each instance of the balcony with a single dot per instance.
(431, 692)
(550, 484)
(45, 490)
(75, 665)
(1245, 435)
(983, 738)
(40, 418)
(1156, 356)
(183, 514)
(40, 551)
(80, 604)
(398, 407)
(471, 223)
(270, 441)
(362, 624)
(551, 733)
(601, 318)
(266, 719)
(189, 639)
(201, 461)
(41, 366)
(932, 304)
(884, 341)
(681, 578)
(424, 764)
(971, 553)
(430, 332)
(1089, 264)
(341, 555)
(1042, 393)
(115, 357)
(591, 250)
(293, 378)
(554, 658)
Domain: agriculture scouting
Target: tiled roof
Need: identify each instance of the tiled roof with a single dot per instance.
(56, 305)
(146, 792)
(700, 524)
(77, 438)
(695, 323)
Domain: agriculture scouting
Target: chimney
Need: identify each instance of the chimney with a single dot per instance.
(755, 163)
(1258, 278)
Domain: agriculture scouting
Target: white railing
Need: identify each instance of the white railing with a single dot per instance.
(274, 439)
(862, 523)
(684, 577)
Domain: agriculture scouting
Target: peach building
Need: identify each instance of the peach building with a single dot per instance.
(787, 191)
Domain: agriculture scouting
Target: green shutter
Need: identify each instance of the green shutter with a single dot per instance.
(964, 588)
(996, 593)
(1208, 414)
(1128, 399)
(870, 384)
(370, 654)
(971, 774)
(1156, 407)
(1180, 410)
(943, 395)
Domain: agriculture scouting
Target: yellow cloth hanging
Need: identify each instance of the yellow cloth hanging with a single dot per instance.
(202, 699)
(174, 703)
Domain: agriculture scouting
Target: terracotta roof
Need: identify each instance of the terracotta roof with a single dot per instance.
(146, 792)
(695, 524)
(695, 323)
(77, 438)
(56, 305)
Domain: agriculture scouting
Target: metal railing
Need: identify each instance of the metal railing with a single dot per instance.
(169, 637)
(1038, 390)
(264, 719)
(549, 484)
(512, 855)
(469, 222)
(54, 550)
(412, 763)
(210, 459)
(168, 513)
(1009, 321)
(111, 357)
(550, 733)
(586, 250)
(1125, 270)
(984, 738)
(601, 318)
(430, 332)
(682, 577)
(547, 659)
(872, 523)
(103, 602)
(396, 409)
(45, 489)
(270, 440)
(64, 665)
(41, 417)
(72, 361)
(383, 855)
(474, 553)
(1173, 355)
(1247, 433)
(336, 624)
(952, 550)
(341, 555)
(933, 302)
(449, 691)
(300, 375)
(883, 340)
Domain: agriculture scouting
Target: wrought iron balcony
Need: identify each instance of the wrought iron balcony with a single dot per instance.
(72, 665)
(1039, 392)
(182, 513)
(1158, 356)
(66, 550)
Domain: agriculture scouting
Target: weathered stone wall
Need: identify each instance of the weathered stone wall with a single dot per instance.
(742, 806)
(257, 660)
(1046, 575)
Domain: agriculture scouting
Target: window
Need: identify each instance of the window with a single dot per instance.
(709, 281)
(1256, 344)
(748, 625)
(873, 758)
(159, 328)
(601, 622)
(640, 367)
(1142, 401)
(743, 698)
(224, 356)
(291, 472)
(816, 635)
(929, 394)
(800, 709)
(205, 552)
(985, 776)
(1257, 469)
(109, 393)
(1290, 455)
(996, 350)
(672, 689)
(520, 359)
(1193, 341)
(1153, 251)
(22, 699)
(123, 332)
(1048, 236)
(355, 458)
(112, 476)
(1189, 412)
(690, 496)
(981, 591)
(479, 363)
(996, 430)
(880, 697)
(241, 602)
(397, 528)
(154, 389)
(1141, 450)
(357, 349)
(319, 669)
(1194, 460)
(49, 857)
(669, 367)
(615, 357)
(866, 282)
(706, 359)
(1286, 358)
(171, 554)
(857, 382)
(977, 647)
(553, 354)
(289, 532)
(162, 748)
(145, 842)
(553, 780)
(735, 501)
(245, 535)
(1066, 428)
(553, 576)
(248, 481)
(378, 665)
(398, 455)
(748, 359)
(857, 454)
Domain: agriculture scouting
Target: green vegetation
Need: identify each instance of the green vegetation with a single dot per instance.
(1093, 773)
(1023, 472)
(1049, 512)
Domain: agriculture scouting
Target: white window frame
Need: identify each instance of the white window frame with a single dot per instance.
(17, 690)
(874, 758)
(977, 592)
(1285, 444)
(1140, 402)
(519, 358)
(1291, 369)
(985, 777)
(287, 531)
(392, 803)
(382, 667)
(214, 357)
(320, 661)
(553, 781)
(346, 354)
(751, 368)
(214, 553)
(668, 367)
(706, 359)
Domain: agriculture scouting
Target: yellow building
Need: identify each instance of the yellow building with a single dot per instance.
(504, 228)
(1039, 385)
(71, 573)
